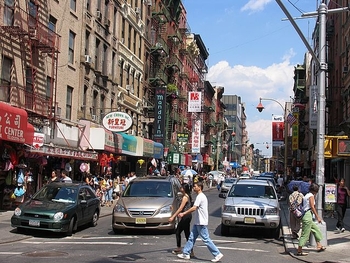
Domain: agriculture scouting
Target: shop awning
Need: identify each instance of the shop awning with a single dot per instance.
(102, 139)
(47, 150)
(14, 125)
(139, 148)
(129, 144)
(148, 148)
(158, 150)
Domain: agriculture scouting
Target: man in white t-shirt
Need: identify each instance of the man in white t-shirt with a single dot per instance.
(200, 223)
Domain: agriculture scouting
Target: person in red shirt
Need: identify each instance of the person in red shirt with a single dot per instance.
(342, 194)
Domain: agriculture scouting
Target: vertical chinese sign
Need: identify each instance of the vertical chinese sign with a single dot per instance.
(159, 115)
(196, 136)
(194, 101)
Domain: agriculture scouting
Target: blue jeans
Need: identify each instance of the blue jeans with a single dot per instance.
(108, 194)
(201, 231)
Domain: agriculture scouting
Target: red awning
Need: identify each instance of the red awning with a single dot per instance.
(14, 125)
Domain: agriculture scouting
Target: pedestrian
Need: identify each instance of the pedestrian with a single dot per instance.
(64, 177)
(185, 221)
(342, 194)
(308, 225)
(200, 207)
(295, 222)
(108, 185)
(54, 177)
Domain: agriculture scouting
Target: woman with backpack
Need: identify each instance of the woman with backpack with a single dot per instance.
(185, 222)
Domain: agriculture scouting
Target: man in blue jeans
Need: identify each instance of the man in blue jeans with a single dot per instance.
(200, 222)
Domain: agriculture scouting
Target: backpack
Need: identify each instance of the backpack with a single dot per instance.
(297, 209)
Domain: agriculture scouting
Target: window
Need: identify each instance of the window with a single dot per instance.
(121, 73)
(69, 100)
(87, 42)
(9, 12)
(73, 5)
(71, 47)
(48, 87)
(52, 29)
(5, 79)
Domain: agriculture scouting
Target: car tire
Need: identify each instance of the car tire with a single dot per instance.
(275, 232)
(71, 227)
(21, 230)
(94, 219)
(225, 230)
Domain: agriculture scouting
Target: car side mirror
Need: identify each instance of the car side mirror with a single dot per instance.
(222, 195)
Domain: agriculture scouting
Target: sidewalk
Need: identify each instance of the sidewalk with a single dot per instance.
(338, 249)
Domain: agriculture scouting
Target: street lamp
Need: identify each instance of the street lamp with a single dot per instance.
(260, 108)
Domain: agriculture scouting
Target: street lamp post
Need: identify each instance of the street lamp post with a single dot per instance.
(260, 108)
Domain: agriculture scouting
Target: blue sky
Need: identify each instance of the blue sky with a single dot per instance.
(253, 52)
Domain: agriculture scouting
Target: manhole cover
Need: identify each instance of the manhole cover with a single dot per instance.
(45, 254)
(128, 258)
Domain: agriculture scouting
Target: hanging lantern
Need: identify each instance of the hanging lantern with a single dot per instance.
(140, 162)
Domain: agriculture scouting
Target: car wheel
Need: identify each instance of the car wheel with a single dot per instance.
(71, 227)
(275, 232)
(21, 230)
(225, 230)
(94, 220)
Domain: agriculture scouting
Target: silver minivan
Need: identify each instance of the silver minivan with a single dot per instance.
(147, 203)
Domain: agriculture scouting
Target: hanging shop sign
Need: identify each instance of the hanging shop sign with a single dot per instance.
(66, 153)
(117, 121)
(159, 115)
(14, 126)
(38, 140)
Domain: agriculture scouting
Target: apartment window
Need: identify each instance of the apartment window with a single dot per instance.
(5, 79)
(102, 107)
(134, 42)
(113, 65)
(88, 5)
(85, 99)
(87, 42)
(105, 59)
(52, 29)
(48, 88)
(121, 73)
(71, 47)
(94, 103)
(129, 37)
(73, 5)
(9, 12)
(69, 100)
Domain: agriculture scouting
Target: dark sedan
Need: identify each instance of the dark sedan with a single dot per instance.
(58, 207)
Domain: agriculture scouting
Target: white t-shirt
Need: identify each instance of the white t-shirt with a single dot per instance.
(280, 181)
(306, 202)
(201, 213)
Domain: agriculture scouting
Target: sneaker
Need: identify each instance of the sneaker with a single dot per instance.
(184, 256)
(337, 228)
(217, 258)
(176, 251)
(342, 230)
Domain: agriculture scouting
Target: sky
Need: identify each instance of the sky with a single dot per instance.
(253, 51)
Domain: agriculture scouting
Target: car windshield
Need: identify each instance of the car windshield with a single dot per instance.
(57, 194)
(148, 189)
(255, 191)
(230, 180)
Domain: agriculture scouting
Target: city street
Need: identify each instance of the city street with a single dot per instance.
(100, 244)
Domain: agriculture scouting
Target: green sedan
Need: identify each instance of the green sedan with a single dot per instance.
(58, 207)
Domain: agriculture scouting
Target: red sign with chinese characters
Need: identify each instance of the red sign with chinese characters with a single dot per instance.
(14, 125)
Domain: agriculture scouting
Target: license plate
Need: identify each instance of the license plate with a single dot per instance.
(249, 220)
(140, 220)
(34, 223)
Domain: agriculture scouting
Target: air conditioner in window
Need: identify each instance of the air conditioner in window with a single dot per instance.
(137, 10)
(98, 14)
(345, 69)
(93, 117)
(88, 59)
(107, 23)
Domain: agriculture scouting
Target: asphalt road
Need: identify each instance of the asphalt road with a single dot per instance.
(100, 244)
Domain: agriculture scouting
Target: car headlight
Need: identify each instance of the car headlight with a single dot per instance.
(119, 208)
(17, 211)
(58, 216)
(166, 209)
(271, 211)
(229, 209)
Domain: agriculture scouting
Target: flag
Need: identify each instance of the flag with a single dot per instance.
(291, 119)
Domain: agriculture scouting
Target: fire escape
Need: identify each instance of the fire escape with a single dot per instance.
(37, 44)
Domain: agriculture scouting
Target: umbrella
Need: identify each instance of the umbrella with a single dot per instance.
(189, 172)
(303, 186)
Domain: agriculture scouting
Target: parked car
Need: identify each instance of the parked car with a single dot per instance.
(58, 207)
(148, 203)
(226, 185)
(251, 203)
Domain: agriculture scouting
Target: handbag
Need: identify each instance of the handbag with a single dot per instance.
(297, 209)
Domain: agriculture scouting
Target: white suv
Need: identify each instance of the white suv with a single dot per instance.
(251, 203)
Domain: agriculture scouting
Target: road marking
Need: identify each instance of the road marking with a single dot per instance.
(112, 237)
(76, 243)
(240, 249)
(10, 253)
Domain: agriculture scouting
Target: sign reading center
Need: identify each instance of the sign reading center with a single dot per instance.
(117, 121)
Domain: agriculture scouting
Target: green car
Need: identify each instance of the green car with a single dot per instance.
(58, 207)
